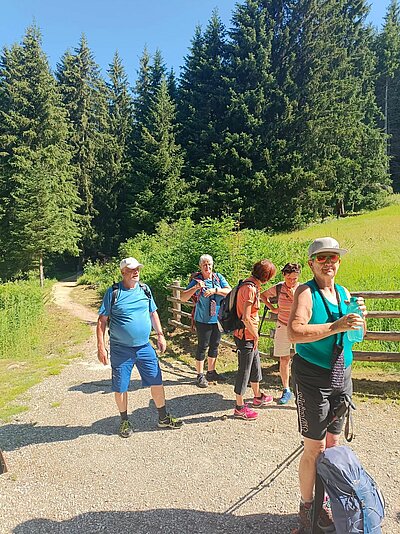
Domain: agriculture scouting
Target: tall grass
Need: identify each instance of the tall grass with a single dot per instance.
(21, 314)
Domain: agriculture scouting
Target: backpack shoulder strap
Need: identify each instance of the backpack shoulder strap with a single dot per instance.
(217, 278)
(279, 287)
(146, 289)
(115, 291)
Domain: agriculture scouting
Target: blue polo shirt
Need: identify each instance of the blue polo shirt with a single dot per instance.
(130, 323)
(202, 311)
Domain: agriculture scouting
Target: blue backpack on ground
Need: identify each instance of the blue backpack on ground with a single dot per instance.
(356, 501)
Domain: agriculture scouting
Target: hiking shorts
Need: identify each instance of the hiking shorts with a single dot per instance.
(315, 399)
(123, 359)
(282, 345)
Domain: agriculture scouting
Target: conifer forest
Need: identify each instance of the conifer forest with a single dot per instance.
(288, 116)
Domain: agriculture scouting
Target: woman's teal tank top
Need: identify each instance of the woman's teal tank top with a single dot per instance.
(320, 352)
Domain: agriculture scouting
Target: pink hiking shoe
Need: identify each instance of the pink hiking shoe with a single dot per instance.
(265, 399)
(245, 413)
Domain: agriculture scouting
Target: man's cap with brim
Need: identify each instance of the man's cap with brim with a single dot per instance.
(130, 263)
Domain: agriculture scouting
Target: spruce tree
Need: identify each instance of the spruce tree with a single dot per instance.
(109, 197)
(244, 154)
(203, 103)
(388, 70)
(341, 147)
(85, 98)
(157, 190)
(37, 191)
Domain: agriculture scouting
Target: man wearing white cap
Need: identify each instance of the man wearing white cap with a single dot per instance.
(132, 312)
(322, 363)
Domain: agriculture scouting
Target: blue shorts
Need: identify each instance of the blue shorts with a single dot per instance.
(124, 358)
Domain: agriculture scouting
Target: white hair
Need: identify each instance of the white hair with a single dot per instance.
(204, 258)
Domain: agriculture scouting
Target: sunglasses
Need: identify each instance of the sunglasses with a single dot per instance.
(323, 258)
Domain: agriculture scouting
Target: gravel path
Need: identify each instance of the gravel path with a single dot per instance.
(69, 472)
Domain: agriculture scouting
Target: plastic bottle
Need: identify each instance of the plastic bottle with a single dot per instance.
(355, 336)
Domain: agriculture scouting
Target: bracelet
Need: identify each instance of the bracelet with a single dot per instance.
(160, 334)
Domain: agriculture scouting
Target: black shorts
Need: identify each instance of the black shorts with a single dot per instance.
(315, 399)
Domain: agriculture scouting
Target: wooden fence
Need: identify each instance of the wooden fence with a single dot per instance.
(178, 313)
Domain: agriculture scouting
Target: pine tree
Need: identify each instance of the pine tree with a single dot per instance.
(388, 69)
(340, 147)
(85, 98)
(244, 154)
(37, 191)
(157, 190)
(203, 102)
(109, 197)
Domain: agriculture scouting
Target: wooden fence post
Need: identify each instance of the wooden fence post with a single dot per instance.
(177, 307)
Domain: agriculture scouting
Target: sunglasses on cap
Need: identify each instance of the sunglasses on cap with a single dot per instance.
(323, 258)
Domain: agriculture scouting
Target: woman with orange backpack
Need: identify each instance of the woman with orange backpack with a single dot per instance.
(206, 289)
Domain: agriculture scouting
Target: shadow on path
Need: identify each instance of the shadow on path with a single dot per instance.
(162, 521)
(193, 408)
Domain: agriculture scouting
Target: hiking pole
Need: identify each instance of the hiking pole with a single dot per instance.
(267, 481)
(339, 411)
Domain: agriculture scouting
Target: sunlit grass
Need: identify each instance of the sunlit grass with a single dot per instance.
(53, 347)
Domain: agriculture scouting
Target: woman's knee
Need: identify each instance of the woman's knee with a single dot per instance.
(313, 448)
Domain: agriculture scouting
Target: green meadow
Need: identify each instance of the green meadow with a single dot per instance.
(36, 341)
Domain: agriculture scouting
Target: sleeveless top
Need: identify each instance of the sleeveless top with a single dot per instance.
(320, 352)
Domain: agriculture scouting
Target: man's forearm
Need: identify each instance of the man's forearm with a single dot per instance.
(100, 333)
(156, 323)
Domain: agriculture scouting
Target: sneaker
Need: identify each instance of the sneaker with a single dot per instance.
(125, 429)
(287, 395)
(170, 422)
(213, 376)
(265, 399)
(245, 413)
(306, 517)
(201, 381)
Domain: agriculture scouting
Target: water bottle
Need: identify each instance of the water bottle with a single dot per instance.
(355, 336)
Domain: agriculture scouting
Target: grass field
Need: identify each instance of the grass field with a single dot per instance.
(50, 349)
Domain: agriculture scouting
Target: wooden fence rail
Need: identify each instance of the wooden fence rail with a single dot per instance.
(359, 355)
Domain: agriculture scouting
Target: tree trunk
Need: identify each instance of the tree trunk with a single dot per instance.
(41, 272)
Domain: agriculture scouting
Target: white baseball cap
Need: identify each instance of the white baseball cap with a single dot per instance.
(325, 244)
(130, 263)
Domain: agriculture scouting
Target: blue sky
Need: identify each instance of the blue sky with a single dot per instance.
(123, 25)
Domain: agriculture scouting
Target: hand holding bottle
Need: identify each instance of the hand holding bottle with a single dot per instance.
(356, 310)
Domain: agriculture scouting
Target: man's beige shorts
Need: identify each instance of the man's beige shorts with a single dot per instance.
(282, 344)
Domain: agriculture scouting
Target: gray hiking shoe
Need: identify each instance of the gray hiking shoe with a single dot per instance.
(201, 381)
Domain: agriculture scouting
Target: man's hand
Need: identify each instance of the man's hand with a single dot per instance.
(161, 343)
(102, 355)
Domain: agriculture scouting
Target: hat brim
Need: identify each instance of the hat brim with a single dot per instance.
(340, 251)
(138, 266)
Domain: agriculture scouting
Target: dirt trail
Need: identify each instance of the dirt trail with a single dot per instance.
(69, 472)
